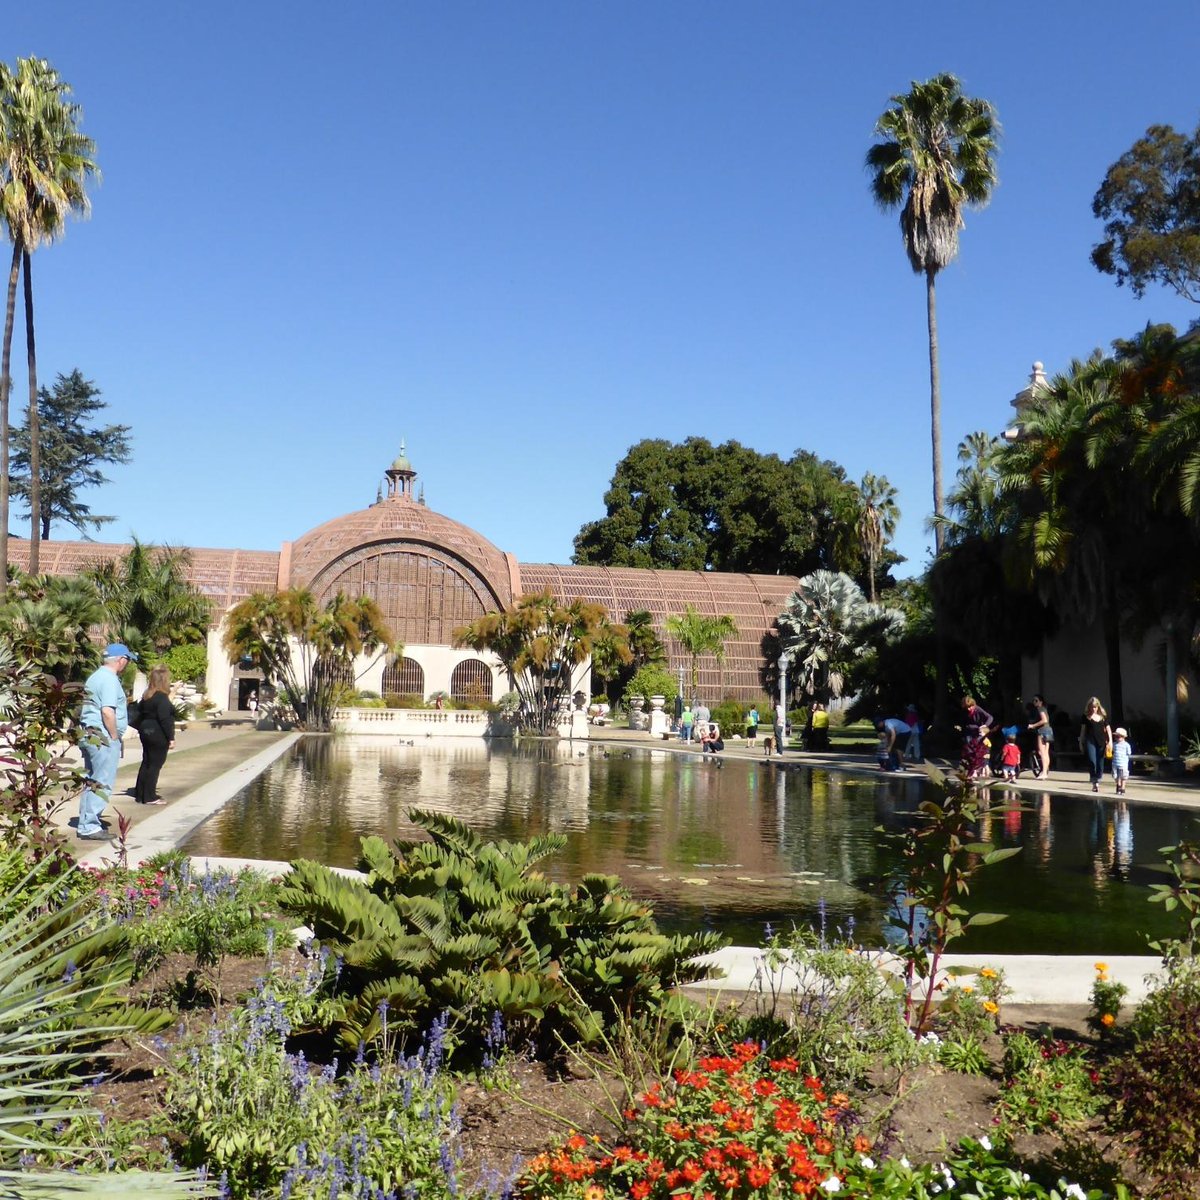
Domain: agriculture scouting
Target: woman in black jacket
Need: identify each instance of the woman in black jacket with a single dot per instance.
(157, 731)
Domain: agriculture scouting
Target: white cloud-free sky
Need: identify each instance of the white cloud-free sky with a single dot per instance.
(524, 236)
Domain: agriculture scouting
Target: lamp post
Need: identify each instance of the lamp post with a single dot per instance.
(785, 660)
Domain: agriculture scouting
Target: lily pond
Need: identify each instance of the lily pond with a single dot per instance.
(735, 847)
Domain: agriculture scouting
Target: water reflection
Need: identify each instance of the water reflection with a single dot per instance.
(728, 847)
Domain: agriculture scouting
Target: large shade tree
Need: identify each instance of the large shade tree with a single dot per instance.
(935, 157)
(693, 506)
(1150, 205)
(541, 640)
(306, 650)
(45, 164)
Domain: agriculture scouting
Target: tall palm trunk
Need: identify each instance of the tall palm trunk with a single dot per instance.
(5, 387)
(35, 466)
(941, 695)
(935, 406)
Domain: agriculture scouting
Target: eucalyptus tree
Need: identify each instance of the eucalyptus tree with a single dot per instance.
(699, 636)
(827, 627)
(877, 519)
(304, 649)
(935, 156)
(45, 164)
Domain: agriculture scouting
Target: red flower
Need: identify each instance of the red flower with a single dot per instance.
(784, 1064)
(765, 1087)
(758, 1176)
(713, 1159)
(639, 1190)
(692, 1170)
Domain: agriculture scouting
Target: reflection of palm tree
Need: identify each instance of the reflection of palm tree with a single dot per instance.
(934, 158)
(45, 163)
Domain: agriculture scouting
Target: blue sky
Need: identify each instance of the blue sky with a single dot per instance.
(523, 236)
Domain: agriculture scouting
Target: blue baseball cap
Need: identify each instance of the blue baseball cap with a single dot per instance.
(119, 650)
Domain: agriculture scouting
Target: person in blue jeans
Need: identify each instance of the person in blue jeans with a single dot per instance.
(1095, 740)
(104, 718)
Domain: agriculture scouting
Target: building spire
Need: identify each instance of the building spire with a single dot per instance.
(400, 476)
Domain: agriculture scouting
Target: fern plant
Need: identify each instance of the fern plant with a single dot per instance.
(458, 925)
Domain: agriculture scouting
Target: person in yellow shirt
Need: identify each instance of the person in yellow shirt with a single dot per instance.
(820, 727)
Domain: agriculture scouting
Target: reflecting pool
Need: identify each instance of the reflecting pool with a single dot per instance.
(733, 848)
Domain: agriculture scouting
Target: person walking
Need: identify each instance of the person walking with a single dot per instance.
(1040, 727)
(780, 726)
(975, 730)
(819, 736)
(1095, 740)
(686, 720)
(752, 723)
(157, 732)
(104, 719)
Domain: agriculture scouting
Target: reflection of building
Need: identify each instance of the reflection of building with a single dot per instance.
(429, 574)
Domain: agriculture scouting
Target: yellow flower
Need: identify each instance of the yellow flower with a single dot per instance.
(1102, 968)
(1107, 1020)
(593, 1192)
(991, 1006)
(966, 987)
(987, 973)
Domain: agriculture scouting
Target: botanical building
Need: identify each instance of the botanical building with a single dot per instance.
(430, 574)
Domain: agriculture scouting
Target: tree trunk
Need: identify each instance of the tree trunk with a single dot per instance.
(1111, 620)
(935, 406)
(35, 465)
(5, 387)
(871, 567)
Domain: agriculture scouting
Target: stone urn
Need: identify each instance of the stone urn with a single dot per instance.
(637, 719)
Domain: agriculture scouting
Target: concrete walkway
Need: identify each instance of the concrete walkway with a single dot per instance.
(211, 763)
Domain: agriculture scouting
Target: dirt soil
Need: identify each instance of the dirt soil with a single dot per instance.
(540, 1104)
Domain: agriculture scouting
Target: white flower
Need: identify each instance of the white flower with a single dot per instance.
(929, 1039)
(950, 1181)
(867, 1162)
(1074, 1191)
(832, 1184)
(905, 1163)
(985, 1142)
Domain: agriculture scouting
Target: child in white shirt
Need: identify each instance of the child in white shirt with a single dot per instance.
(1122, 752)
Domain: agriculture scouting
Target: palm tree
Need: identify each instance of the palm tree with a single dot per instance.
(827, 626)
(700, 635)
(936, 157)
(876, 520)
(45, 163)
(147, 597)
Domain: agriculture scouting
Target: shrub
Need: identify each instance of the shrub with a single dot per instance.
(187, 664)
(1048, 1084)
(265, 1121)
(651, 680)
(466, 926)
(405, 700)
(832, 1008)
(731, 717)
(1157, 1087)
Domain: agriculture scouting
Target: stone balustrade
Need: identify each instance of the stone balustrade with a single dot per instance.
(415, 722)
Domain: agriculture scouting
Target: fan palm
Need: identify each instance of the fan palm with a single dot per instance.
(45, 163)
(700, 635)
(876, 520)
(935, 157)
(827, 626)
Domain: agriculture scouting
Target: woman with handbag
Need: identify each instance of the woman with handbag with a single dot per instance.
(157, 732)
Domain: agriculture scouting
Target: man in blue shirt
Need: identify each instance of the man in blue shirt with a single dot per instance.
(104, 718)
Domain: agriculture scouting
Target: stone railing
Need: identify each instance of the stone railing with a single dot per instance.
(415, 722)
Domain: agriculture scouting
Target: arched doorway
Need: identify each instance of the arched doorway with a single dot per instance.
(404, 677)
(471, 683)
